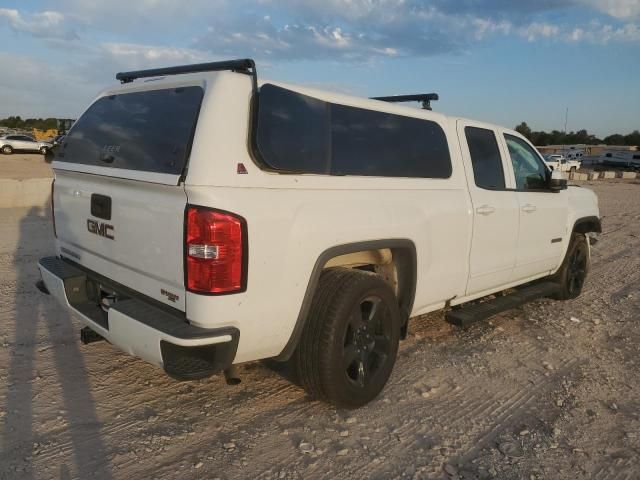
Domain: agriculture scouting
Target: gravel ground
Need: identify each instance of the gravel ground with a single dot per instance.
(550, 390)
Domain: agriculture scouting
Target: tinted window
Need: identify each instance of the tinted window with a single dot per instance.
(530, 172)
(297, 133)
(367, 142)
(148, 131)
(292, 131)
(485, 157)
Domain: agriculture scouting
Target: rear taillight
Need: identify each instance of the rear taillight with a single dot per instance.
(53, 213)
(215, 251)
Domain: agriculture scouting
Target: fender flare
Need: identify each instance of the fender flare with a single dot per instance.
(403, 250)
(587, 224)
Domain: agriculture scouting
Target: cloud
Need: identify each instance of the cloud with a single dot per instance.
(365, 29)
(392, 30)
(341, 30)
(593, 33)
(623, 9)
(47, 24)
(24, 92)
(537, 30)
(137, 56)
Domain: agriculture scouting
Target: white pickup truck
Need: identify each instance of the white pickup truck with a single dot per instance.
(204, 218)
(559, 162)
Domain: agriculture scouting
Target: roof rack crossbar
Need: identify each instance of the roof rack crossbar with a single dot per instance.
(245, 65)
(424, 98)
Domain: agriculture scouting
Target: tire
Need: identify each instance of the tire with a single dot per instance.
(574, 268)
(43, 150)
(350, 342)
(7, 150)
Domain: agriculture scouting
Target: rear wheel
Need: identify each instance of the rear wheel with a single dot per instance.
(575, 266)
(7, 150)
(350, 341)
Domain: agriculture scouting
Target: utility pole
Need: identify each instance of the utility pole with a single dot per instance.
(566, 117)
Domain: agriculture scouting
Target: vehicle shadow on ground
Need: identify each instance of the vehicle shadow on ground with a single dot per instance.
(79, 430)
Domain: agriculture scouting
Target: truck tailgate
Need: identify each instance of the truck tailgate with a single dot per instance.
(132, 235)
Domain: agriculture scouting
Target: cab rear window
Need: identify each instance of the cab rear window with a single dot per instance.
(147, 131)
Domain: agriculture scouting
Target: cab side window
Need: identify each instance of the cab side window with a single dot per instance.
(485, 158)
(530, 172)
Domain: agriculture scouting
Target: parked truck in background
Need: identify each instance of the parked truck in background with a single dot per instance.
(561, 163)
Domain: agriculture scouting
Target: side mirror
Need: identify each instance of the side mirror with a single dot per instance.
(557, 181)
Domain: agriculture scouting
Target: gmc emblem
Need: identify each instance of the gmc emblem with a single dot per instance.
(101, 229)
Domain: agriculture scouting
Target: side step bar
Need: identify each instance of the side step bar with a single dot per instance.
(468, 314)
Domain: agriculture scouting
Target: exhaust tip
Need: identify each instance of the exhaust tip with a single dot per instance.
(42, 287)
(88, 336)
(231, 376)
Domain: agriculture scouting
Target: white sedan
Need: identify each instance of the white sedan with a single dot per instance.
(22, 143)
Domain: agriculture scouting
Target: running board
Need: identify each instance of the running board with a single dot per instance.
(466, 315)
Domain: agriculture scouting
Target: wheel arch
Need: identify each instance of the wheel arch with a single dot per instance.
(403, 252)
(587, 224)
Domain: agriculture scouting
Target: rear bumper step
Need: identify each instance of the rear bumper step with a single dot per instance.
(139, 328)
(468, 314)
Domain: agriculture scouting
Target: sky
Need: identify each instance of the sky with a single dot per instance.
(502, 61)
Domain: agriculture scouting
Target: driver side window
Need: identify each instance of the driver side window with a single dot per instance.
(530, 172)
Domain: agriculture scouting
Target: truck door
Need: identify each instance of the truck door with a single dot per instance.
(543, 213)
(495, 208)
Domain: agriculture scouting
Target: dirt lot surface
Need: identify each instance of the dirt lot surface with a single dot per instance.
(21, 166)
(551, 390)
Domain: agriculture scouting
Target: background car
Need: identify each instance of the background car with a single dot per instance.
(22, 143)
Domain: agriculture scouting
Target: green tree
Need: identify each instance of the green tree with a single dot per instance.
(633, 138)
(524, 130)
(615, 139)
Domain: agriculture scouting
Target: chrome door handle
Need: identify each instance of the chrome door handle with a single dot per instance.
(485, 210)
(529, 208)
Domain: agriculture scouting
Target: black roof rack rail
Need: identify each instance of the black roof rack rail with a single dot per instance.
(424, 98)
(244, 65)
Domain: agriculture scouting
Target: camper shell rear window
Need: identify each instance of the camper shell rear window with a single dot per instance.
(150, 131)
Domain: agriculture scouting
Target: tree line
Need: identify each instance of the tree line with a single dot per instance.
(556, 137)
(29, 123)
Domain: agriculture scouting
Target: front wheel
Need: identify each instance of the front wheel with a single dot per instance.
(7, 150)
(349, 344)
(575, 266)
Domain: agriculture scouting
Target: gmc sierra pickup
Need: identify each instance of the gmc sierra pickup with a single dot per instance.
(204, 218)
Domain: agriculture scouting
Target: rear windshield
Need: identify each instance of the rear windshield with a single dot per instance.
(149, 131)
